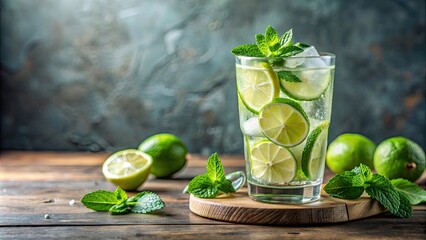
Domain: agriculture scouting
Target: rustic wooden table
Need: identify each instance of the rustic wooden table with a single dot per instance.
(33, 184)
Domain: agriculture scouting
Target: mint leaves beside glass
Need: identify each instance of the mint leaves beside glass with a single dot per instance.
(118, 203)
(212, 183)
(274, 47)
(397, 195)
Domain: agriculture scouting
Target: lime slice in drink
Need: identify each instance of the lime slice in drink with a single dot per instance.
(271, 163)
(257, 86)
(127, 168)
(314, 82)
(284, 122)
(314, 152)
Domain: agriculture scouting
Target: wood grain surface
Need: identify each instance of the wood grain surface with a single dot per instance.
(239, 208)
(33, 184)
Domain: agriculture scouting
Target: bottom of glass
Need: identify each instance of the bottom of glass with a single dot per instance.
(285, 194)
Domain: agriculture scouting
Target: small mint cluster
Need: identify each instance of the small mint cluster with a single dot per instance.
(397, 195)
(118, 203)
(212, 183)
(270, 45)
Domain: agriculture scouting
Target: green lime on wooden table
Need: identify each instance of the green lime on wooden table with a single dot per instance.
(399, 157)
(127, 168)
(348, 151)
(168, 154)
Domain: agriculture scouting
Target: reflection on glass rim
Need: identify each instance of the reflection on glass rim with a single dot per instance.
(323, 55)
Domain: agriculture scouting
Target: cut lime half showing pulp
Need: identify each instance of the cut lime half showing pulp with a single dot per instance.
(314, 82)
(272, 164)
(313, 155)
(284, 122)
(257, 86)
(127, 168)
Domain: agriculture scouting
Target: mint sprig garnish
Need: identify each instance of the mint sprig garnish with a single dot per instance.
(118, 203)
(397, 195)
(212, 183)
(272, 46)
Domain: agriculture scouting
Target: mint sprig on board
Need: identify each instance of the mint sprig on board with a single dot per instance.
(212, 183)
(397, 195)
(272, 46)
(118, 203)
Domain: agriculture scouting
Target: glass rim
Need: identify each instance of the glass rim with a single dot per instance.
(322, 55)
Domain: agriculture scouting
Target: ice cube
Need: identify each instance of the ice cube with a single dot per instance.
(307, 62)
(251, 127)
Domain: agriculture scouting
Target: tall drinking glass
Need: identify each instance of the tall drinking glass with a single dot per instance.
(284, 110)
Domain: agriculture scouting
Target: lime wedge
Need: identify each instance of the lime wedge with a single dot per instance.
(127, 168)
(314, 82)
(271, 163)
(257, 86)
(284, 122)
(314, 152)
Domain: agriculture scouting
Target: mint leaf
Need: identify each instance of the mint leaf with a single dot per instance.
(271, 36)
(288, 77)
(414, 193)
(215, 169)
(346, 185)
(212, 183)
(381, 189)
(363, 171)
(119, 208)
(100, 200)
(286, 38)
(302, 45)
(202, 186)
(120, 194)
(226, 186)
(145, 202)
(287, 51)
(250, 50)
(262, 45)
(405, 210)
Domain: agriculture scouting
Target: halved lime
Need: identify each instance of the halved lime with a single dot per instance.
(127, 168)
(314, 83)
(284, 122)
(271, 163)
(257, 86)
(313, 155)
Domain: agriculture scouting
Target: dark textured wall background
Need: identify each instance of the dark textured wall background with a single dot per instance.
(103, 75)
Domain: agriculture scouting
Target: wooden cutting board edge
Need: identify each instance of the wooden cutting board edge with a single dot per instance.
(239, 208)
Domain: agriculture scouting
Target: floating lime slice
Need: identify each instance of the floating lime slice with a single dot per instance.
(314, 82)
(271, 163)
(256, 86)
(284, 122)
(314, 152)
(127, 168)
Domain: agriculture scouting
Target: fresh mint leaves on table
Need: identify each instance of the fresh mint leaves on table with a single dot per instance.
(397, 195)
(274, 47)
(212, 183)
(414, 193)
(118, 203)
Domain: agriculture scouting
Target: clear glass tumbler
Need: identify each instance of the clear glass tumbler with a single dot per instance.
(284, 110)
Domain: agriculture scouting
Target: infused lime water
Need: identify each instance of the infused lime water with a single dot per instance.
(285, 109)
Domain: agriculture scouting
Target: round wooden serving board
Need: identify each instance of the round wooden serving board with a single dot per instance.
(239, 208)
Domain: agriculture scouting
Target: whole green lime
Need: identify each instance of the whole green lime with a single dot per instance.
(399, 157)
(168, 154)
(348, 151)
